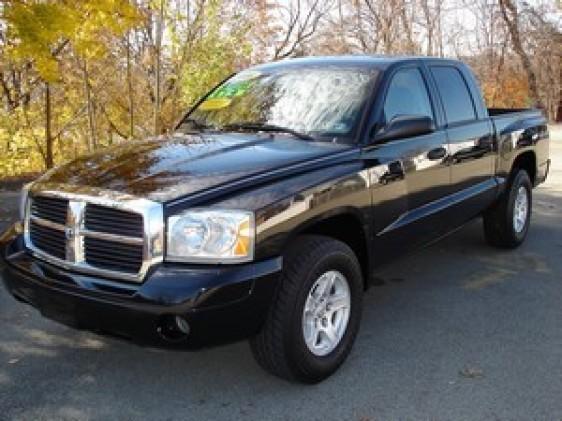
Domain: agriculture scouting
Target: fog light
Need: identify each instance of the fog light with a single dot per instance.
(173, 328)
(182, 325)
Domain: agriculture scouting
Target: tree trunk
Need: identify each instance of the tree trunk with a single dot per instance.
(512, 23)
(558, 112)
(92, 143)
(158, 70)
(439, 28)
(406, 20)
(130, 92)
(428, 26)
(48, 132)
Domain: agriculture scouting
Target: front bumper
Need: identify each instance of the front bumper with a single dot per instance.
(220, 303)
(543, 171)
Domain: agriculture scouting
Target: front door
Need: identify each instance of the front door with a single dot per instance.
(409, 176)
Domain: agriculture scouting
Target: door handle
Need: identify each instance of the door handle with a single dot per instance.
(394, 172)
(437, 153)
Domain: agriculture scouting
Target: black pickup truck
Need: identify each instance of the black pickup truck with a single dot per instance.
(265, 212)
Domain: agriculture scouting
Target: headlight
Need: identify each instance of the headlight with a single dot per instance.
(211, 236)
(23, 200)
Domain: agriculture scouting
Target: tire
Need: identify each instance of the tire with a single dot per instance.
(281, 348)
(501, 228)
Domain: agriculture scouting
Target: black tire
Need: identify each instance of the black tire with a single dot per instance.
(499, 225)
(280, 347)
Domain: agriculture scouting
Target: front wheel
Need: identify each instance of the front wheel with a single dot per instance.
(506, 224)
(316, 312)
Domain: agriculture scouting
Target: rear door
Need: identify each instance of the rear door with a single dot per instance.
(470, 138)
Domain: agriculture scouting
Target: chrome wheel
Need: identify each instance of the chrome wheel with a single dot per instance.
(326, 313)
(521, 209)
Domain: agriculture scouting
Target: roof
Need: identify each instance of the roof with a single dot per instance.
(372, 61)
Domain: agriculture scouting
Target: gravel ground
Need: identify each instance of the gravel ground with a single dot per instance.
(458, 331)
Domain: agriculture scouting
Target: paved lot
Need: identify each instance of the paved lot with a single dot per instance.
(459, 331)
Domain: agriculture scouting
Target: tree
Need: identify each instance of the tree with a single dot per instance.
(38, 33)
(76, 76)
(299, 23)
(511, 18)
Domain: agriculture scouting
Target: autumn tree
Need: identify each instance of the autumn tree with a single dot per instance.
(76, 76)
(36, 37)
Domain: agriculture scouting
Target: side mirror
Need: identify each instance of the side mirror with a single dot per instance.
(403, 126)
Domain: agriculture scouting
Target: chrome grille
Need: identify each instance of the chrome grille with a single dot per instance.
(50, 208)
(49, 240)
(113, 221)
(94, 234)
(113, 255)
(111, 252)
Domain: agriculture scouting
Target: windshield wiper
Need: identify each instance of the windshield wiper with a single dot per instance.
(266, 128)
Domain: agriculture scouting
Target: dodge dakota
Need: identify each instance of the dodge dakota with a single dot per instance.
(263, 214)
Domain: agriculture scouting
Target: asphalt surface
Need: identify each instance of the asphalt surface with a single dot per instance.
(458, 331)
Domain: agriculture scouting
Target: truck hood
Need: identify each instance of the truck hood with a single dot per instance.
(167, 168)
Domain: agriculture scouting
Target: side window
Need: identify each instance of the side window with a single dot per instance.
(454, 94)
(407, 95)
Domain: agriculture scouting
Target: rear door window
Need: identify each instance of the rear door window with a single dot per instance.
(454, 93)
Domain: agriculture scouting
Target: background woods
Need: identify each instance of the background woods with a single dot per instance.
(79, 75)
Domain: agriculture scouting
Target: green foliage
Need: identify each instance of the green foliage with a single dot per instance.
(41, 29)
(36, 27)
(216, 54)
(99, 57)
(18, 151)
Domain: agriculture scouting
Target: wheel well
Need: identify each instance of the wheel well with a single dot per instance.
(349, 230)
(526, 161)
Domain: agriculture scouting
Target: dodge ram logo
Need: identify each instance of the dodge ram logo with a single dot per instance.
(69, 233)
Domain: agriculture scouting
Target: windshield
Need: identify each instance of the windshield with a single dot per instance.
(305, 102)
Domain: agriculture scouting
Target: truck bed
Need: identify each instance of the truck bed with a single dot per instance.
(512, 112)
(522, 129)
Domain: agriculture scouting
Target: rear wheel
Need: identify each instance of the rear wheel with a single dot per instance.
(316, 313)
(506, 224)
